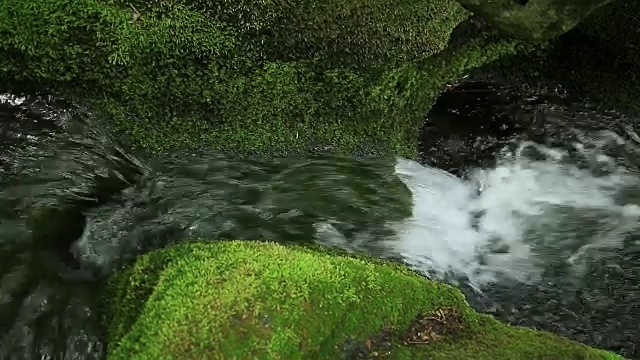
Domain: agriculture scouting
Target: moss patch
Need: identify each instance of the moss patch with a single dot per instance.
(245, 77)
(247, 299)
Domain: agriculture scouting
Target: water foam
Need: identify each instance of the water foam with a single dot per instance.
(538, 207)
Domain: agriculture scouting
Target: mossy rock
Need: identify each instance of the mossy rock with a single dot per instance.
(598, 62)
(339, 32)
(601, 57)
(533, 20)
(242, 300)
(248, 77)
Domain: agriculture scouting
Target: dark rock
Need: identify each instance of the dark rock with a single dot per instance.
(536, 20)
(467, 125)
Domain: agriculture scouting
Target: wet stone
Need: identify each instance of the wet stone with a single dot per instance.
(378, 346)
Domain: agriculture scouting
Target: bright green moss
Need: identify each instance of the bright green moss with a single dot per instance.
(494, 340)
(240, 300)
(245, 77)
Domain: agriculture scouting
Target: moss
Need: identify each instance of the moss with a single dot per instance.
(494, 340)
(244, 77)
(341, 32)
(247, 299)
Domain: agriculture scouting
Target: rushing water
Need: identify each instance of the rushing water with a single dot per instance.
(539, 227)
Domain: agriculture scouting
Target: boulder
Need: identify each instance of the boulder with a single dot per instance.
(247, 77)
(534, 20)
(597, 62)
(245, 300)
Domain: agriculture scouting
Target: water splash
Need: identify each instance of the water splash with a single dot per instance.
(539, 207)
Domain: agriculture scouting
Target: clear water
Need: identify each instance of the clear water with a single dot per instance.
(546, 235)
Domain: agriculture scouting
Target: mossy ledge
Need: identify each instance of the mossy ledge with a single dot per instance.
(248, 77)
(242, 300)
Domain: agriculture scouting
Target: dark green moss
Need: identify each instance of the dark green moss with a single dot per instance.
(254, 77)
(246, 299)
(339, 32)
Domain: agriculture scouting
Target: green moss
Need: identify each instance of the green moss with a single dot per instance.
(494, 340)
(341, 32)
(247, 299)
(244, 77)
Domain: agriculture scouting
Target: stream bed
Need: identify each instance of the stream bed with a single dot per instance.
(529, 203)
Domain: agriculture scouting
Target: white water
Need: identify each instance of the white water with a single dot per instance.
(539, 212)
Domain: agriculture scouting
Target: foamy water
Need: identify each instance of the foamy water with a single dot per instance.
(538, 207)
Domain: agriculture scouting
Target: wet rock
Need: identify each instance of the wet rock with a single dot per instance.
(469, 123)
(536, 20)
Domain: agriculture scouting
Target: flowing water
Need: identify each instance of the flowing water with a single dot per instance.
(535, 218)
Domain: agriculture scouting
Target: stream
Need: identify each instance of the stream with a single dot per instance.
(528, 202)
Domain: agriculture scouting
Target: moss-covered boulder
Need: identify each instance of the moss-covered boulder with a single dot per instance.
(241, 300)
(537, 20)
(245, 76)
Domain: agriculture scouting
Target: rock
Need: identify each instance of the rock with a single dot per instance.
(241, 300)
(245, 77)
(598, 60)
(536, 20)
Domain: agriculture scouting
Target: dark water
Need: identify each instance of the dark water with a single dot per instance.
(74, 207)
(42, 314)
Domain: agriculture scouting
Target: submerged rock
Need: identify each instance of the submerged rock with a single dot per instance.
(248, 299)
(533, 19)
